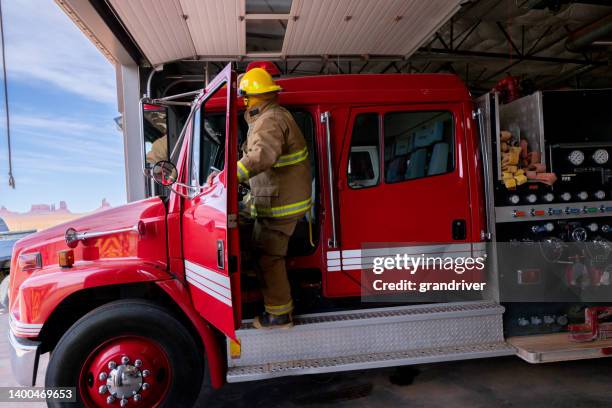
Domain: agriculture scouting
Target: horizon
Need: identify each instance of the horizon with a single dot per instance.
(55, 206)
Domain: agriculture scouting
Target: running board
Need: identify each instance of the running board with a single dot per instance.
(555, 347)
(370, 338)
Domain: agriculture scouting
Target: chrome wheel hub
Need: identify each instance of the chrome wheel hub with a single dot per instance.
(124, 381)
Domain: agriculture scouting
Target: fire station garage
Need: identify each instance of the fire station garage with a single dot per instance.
(452, 133)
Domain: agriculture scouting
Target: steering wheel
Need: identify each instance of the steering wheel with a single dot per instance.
(243, 190)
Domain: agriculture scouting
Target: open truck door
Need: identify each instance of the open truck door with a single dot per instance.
(210, 234)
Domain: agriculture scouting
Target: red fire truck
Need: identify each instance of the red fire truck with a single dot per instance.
(142, 304)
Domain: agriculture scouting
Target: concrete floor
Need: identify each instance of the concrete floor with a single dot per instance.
(499, 383)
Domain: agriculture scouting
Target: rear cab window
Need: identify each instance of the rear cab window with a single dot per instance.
(416, 144)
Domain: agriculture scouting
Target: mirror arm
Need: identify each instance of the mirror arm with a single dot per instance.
(185, 186)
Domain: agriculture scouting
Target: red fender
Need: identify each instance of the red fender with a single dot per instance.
(41, 292)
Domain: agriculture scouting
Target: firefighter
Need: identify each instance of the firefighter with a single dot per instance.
(276, 166)
(159, 150)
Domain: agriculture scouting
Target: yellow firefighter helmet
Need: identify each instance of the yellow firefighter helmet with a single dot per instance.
(257, 81)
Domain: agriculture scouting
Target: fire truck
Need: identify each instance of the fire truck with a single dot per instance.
(149, 304)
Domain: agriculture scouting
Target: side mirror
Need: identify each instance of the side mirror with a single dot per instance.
(164, 173)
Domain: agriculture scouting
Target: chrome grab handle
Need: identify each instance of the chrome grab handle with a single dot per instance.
(333, 242)
(477, 115)
(73, 237)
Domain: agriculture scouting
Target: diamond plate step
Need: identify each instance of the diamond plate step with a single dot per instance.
(367, 361)
(369, 333)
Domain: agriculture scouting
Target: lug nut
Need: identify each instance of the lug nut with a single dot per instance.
(125, 360)
(137, 397)
(103, 376)
(102, 389)
(145, 386)
(110, 399)
(145, 373)
(112, 365)
(137, 363)
(123, 402)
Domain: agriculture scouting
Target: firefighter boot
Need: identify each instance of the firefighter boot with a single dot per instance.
(271, 321)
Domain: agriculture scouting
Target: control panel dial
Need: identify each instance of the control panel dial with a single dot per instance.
(579, 234)
(601, 156)
(531, 198)
(576, 157)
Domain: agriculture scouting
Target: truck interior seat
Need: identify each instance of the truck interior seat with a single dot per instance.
(416, 164)
(438, 163)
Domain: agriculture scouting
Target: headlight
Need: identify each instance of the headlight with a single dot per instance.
(29, 262)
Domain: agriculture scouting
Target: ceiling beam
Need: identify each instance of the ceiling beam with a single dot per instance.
(505, 56)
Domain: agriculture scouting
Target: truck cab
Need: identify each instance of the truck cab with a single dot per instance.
(160, 292)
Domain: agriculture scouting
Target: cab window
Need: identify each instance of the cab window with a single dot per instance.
(208, 146)
(363, 164)
(208, 124)
(417, 144)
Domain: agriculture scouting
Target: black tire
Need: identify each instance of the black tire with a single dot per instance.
(124, 318)
(4, 290)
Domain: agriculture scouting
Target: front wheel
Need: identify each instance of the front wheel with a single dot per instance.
(127, 353)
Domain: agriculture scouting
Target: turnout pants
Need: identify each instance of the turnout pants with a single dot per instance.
(270, 241)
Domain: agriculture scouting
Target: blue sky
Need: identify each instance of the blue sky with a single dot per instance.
(62, 93)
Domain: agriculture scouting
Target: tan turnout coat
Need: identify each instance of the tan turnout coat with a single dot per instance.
(276, 164)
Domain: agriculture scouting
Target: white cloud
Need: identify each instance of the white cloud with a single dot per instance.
(58, 124)
(43, 44)
(45, 164)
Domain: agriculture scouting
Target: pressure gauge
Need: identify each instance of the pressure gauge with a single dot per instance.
(548, 197)
(583, 195)
(579, 234)
(566, 196)
(600, 195)
(593, 227)
(549, 227)
(601, 156)
(531, 198)
(514, 199)
(562, 320)
(576, 157)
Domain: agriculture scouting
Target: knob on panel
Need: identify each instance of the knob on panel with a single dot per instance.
(579, 234)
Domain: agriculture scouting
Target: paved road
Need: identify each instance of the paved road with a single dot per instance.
(503, 382)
